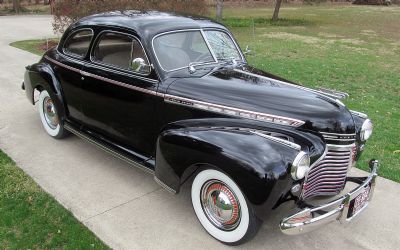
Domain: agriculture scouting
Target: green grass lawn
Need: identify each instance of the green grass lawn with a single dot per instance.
(36, 46)
(32, 219)
(355, 49)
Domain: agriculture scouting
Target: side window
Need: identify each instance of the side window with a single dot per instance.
(122, 51)
(78, 43)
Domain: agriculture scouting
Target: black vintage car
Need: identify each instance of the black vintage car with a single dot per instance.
(174, 96)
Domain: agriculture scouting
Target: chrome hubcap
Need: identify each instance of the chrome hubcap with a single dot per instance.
(50, 113)
(220, 205)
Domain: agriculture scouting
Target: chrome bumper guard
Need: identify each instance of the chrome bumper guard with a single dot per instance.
(312, 218)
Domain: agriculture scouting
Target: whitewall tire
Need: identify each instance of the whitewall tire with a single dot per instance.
(49, 116)
(221, 207)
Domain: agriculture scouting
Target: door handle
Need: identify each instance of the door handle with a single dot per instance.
(83, 74)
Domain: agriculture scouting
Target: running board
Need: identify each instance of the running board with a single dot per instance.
(104, 147)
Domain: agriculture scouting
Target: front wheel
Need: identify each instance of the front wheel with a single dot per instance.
(49, 116)
(222, 208)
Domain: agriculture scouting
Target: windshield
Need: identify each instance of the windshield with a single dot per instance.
(222, 45)
(180, 49)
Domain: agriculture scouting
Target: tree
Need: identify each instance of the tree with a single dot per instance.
(68, 11)
(219, 10)
(275, 17)
(16, 6)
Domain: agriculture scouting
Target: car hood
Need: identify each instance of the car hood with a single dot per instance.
(247, 88)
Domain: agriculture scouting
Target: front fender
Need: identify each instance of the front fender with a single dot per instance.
(259, 166)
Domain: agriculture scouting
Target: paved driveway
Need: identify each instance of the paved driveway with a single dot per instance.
(123, 205)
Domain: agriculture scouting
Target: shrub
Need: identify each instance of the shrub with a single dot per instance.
(68, 11)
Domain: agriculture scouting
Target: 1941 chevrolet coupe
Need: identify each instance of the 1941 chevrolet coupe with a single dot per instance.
(174, 96)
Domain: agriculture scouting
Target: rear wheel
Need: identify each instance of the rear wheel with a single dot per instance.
(49, 116)
(222, 208)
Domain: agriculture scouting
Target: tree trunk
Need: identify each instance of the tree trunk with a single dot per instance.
(275, 17)
(219, 10)
(16, 6)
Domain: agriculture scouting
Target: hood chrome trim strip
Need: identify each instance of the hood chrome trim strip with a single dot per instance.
(226, 110)
(329, 95)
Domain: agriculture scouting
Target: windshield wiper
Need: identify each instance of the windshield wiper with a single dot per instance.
(231, 60)
(192, 66)
(225, 61)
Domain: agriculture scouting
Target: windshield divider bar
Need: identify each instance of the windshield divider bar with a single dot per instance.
(209, 46)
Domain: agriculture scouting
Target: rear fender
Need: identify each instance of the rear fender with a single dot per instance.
(41, 76)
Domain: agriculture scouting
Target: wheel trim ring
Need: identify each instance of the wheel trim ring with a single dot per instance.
(50, 113)
(224, 215)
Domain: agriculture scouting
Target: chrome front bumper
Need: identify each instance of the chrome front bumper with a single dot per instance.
(311, 218)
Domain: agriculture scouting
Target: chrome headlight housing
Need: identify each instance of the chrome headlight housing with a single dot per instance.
(300, 166)
(366, 130)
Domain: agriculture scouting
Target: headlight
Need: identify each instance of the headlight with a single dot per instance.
(300, 166)
(366, 130)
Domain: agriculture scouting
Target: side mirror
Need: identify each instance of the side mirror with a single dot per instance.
(139, 65)
(247, 51)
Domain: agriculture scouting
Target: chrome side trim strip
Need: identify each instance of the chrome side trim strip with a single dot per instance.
(281, 141)
(221, 109)
(163, 185)
(62, 65)
(118, 83)
(216, 108)
(107, 149)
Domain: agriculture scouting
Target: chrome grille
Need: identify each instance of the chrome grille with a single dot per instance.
(328, 176)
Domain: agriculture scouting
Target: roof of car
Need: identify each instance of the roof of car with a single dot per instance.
(148, 23)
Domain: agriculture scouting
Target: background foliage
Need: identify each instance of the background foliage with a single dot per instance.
(68, 11)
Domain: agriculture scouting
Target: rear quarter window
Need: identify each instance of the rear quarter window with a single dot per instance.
(77, 44)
